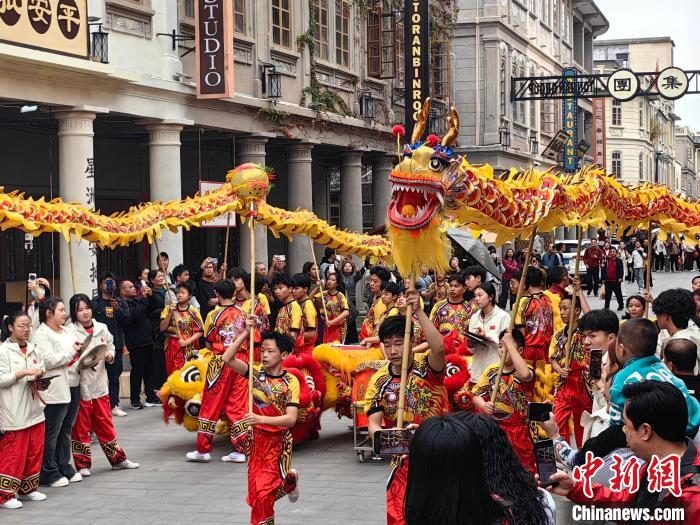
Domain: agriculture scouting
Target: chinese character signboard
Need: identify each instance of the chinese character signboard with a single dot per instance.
(672, 83)
(599, 132)
(59, 26)
(222, 220)
(214, 42)
(569, 112)
(623, 84)
(417, 58)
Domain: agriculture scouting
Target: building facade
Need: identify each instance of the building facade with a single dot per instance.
(116, 129)
(640, 137)
(687, 147)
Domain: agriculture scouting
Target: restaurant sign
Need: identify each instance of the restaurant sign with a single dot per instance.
(59, 26)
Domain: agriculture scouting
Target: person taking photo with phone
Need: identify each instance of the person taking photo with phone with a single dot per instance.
(113, 311)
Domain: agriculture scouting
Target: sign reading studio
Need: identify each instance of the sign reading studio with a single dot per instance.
(59, 26)
(214, 41)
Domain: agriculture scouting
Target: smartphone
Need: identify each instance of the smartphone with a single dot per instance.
(32, 277)
(109, 285)
(595, 363)
(388, 442)
(546, 462)
(282, 257)
(538, 411)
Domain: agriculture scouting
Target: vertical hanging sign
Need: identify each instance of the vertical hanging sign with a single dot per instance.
(214, 42)
(599, 132)
(417, 58)
(569, 108)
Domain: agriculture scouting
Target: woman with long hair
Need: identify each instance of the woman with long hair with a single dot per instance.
(506, 476)
(454, 264)
(94, 413)
(488, 322)
(336, 304)
(59, 348)
(445, 481)
(22, 416)
(634, 307)
(350, 276)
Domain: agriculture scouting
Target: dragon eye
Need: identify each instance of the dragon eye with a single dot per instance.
(451, 370)
(436, 164)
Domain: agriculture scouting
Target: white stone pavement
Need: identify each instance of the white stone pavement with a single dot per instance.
(335, 488)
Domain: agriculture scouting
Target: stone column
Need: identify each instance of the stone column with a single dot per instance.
(299, 195)
(252, 149)
(165, 180)
(351, 191)
(76, 182)
(381, 187)
(320, 199)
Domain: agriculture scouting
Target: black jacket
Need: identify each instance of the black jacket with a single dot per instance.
(619, 270)
(139, 330)
(117, 322)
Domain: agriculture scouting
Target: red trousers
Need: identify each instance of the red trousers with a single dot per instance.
(175, 356)
(227, 397)
(20, 461)
(519, 436)
(95, 415)
(396, 491)
(268, 466)
(571, 401)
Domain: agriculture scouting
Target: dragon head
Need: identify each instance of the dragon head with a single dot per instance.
(419, 181)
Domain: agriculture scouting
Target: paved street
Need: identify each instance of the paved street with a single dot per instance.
(335, 487)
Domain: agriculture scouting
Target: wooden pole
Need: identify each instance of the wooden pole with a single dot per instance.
(72, 266)
(407, 354)
(320, 286)
(168, 291)
(514, 312)
(228, 229)
(650, 250)
(251, 342)
(572, 313)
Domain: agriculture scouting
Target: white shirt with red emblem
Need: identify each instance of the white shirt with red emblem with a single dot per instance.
(20, 407)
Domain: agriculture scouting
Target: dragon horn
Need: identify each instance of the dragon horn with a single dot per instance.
(453, 123)
(419, 126)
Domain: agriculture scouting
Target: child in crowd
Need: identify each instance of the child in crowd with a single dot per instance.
(388, 297)
(275, 410)
(425, 392)
(573, 392)
(182, 342)
(451, 316)
(514, 393)
(289, 316)
(241, 280)
(94, 414)
(378, 279)
(22, 415)
(307, 332)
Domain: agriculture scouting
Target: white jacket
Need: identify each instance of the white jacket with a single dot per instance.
(59, 356)
(18, 407)
(492, 324)
(94, 382)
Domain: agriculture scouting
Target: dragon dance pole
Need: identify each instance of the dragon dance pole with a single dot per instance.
(72, 267)
(228, 229)
(650, 249)
(572, 313)
(407, 333)
(318, 271)
(514, 312)
(251, 341)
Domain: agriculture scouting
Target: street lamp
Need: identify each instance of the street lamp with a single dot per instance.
(504, 133)
(271, 81)
(368, 105)
(100, 41)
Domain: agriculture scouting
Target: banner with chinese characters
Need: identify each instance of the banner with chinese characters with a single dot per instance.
(417, 59)
(599, 132)
(214, 48)
(59, 26)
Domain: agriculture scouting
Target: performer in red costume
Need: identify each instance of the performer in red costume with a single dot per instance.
(224, 390)
(22, 416)
(336, 304)
(289, 316)
(182, 343)
(94, 413)
(425, 393)
(307, 331)
(275, 409)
